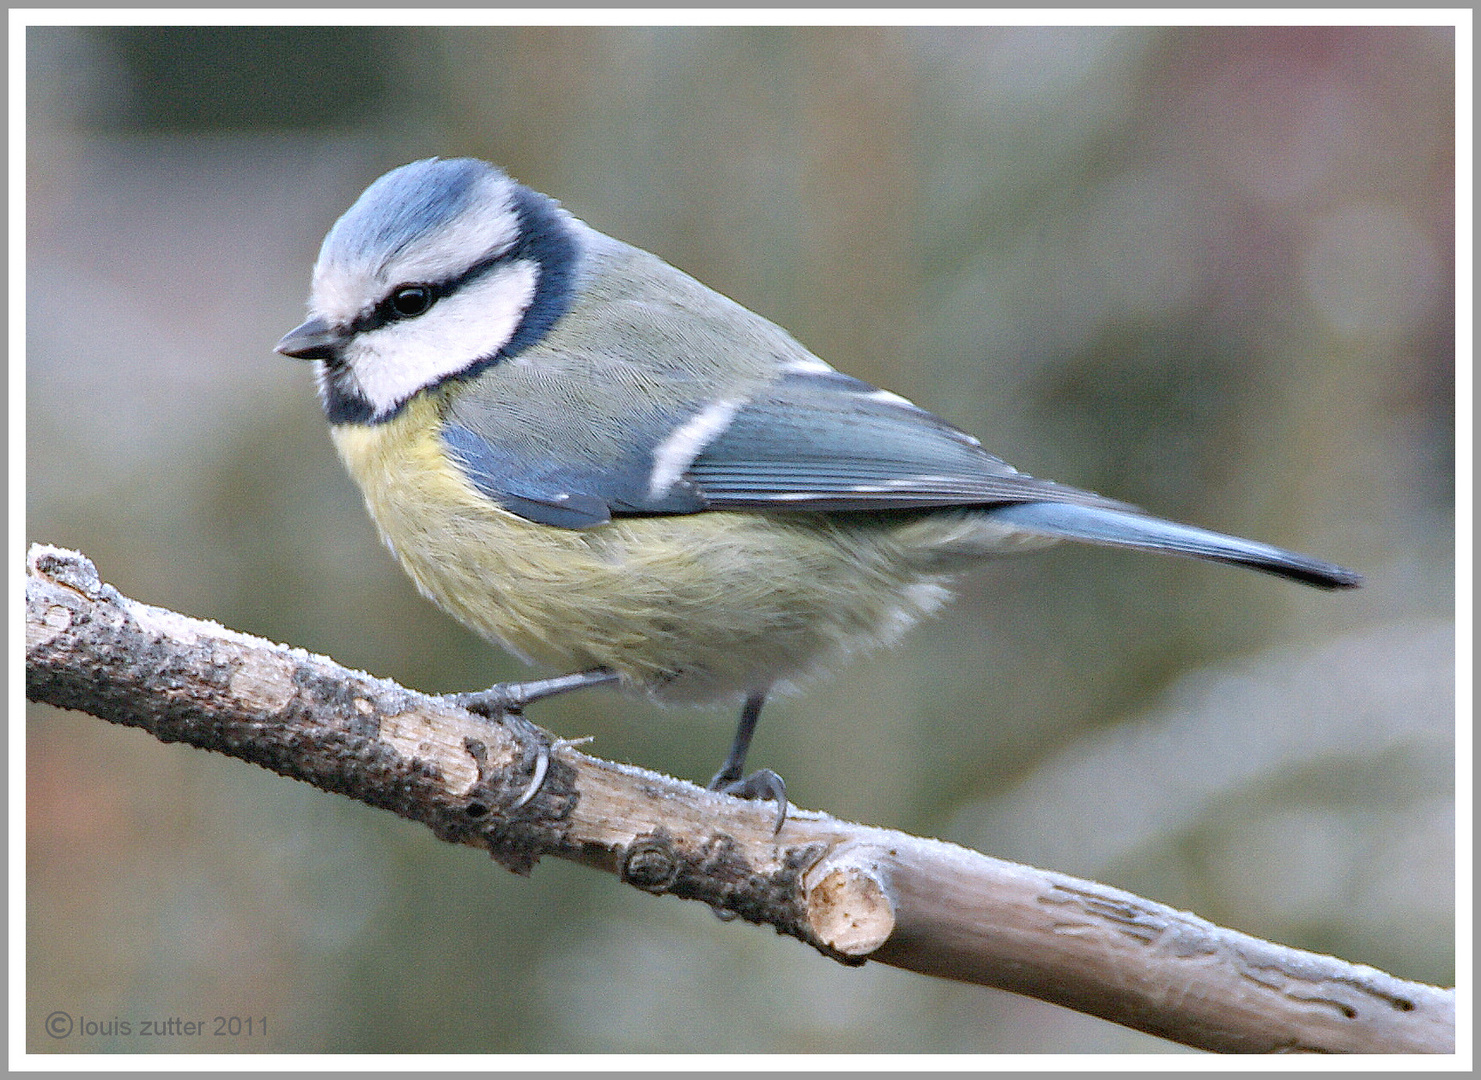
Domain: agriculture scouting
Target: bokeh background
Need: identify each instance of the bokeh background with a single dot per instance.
(1208, 271)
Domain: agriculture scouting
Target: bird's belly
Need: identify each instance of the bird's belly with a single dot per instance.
(695, 607)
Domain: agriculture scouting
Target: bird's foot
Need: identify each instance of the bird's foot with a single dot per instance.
(762, 786)
(506, 701)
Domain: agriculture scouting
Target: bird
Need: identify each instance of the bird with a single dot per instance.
(585, 455)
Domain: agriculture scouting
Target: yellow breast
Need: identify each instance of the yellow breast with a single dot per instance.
(694, 607)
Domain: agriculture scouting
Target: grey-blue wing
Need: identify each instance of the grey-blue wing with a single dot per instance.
(811, 441)
(826, 441)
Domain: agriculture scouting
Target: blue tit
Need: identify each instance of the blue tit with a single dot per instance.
(584, 454)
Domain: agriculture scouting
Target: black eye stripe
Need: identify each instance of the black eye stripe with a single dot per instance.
(388, 310)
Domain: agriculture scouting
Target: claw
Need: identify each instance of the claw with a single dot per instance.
(762, 786)
(542, 766)
(506, 702)
(542, 763)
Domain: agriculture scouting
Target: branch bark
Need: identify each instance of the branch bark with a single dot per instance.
(853, 892)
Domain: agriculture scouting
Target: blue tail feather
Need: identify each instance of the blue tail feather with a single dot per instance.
(1120, 528)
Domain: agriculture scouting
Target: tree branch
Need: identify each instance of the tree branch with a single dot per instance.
(851, 891)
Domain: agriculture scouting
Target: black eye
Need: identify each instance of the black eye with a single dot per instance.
(410, 301)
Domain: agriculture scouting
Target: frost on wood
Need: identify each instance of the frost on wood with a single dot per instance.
(853, 892)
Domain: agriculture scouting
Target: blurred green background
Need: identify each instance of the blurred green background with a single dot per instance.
(1208, 271)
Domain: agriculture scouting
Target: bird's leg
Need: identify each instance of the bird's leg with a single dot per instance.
(501, 699)
(763, 784)
(506, 702)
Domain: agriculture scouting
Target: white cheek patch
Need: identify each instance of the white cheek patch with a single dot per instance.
(678, 451)
(395, 361)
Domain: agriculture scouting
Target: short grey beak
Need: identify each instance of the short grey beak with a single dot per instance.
(314, 340)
